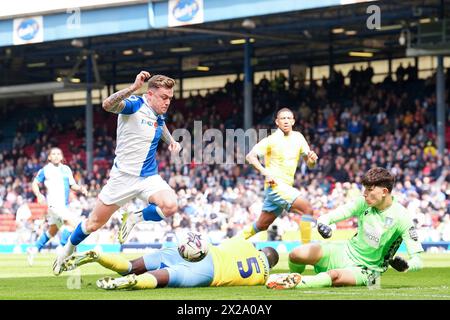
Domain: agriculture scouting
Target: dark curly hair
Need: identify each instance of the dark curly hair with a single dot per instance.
(379, 177)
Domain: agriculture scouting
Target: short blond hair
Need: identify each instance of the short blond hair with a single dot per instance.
(160, 81)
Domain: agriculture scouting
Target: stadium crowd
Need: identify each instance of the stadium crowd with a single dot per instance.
(352, 127)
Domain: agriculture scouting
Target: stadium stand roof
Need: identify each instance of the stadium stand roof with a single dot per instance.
(316, 36)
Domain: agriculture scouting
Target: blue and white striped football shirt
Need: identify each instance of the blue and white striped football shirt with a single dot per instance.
(139, 130)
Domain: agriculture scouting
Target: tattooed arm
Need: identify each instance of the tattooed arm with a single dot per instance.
(115, 102)
(166, 136)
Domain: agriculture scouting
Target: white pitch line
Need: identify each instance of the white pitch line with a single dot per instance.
(373, 293)
(425, 288)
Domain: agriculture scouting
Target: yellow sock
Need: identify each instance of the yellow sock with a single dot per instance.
(115, 263)
(145, 281)
(249, 231)
(305, 230)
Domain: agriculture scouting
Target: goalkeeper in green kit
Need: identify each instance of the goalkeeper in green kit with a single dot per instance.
(383, 224)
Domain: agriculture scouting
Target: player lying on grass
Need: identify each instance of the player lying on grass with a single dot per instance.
(382, 225)
(235, 262)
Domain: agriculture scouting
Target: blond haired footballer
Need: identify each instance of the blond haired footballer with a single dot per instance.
(140, 126)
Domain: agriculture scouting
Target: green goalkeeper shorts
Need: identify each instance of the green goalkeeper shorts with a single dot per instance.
(335, 257)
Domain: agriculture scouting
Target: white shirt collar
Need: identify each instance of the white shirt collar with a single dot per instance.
(144, 96)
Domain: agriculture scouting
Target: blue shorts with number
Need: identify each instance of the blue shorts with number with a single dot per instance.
(182, 273)
(279, 198)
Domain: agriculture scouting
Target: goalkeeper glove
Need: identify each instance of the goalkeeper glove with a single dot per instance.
(399, 264)
(324, 230)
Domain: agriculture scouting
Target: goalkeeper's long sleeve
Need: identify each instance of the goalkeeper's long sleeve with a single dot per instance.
(346, 211)
(415, 263)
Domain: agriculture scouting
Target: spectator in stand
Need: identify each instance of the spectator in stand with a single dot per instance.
(384, 137)
(430, 150)
(400, 73)
(19, 141)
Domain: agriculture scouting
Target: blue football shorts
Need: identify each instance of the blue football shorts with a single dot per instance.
(182, 273)
(279, 198)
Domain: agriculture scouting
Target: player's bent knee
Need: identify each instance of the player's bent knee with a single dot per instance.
(170, 209)
(294, 255)
(300, 255)
(309, 208)
(306, 208)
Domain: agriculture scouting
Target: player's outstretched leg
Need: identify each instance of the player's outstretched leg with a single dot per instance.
(78, 259)
(295, 280)
(283, 281)
(98, 217)
(112, 262)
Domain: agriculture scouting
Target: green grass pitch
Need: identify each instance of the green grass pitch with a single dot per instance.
(18, 281)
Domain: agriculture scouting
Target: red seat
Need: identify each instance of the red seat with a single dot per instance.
(7, 228)
(29, 150)
(7, 223)
(38, 211)
(7, 216)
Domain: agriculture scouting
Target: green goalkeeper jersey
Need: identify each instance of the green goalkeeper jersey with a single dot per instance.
(380, 233)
